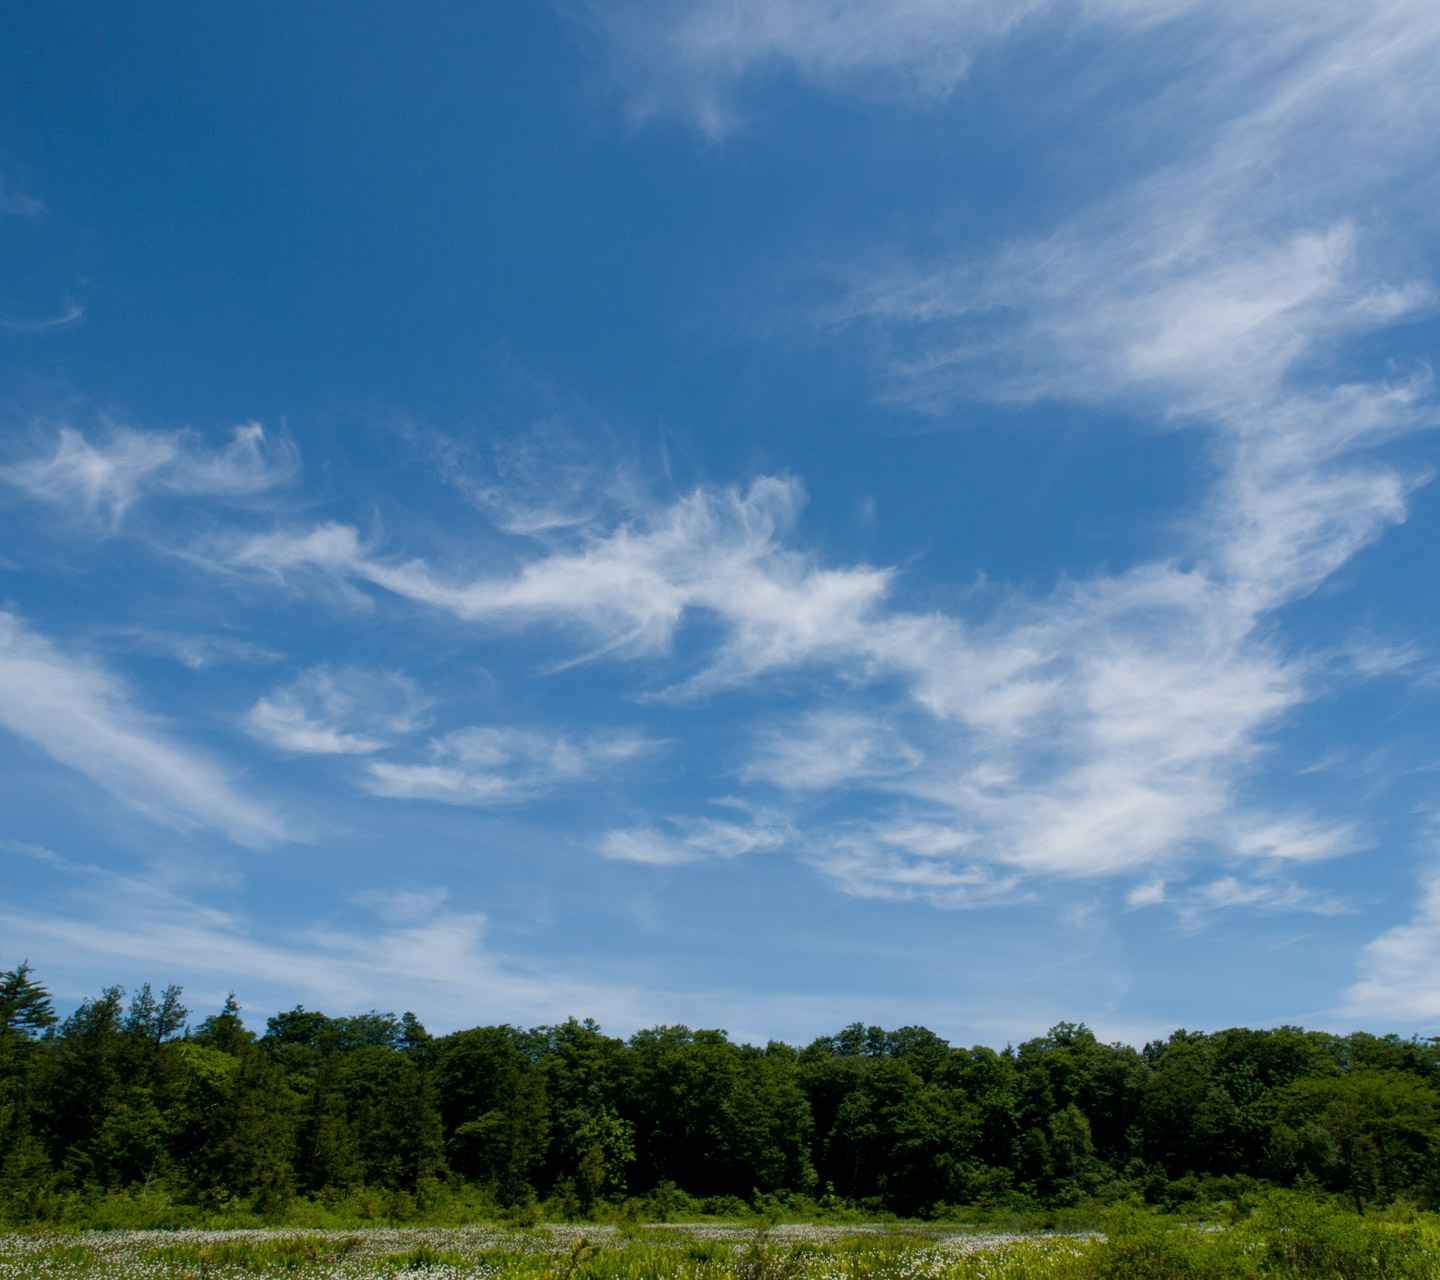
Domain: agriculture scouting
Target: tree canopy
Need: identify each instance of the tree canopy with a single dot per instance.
(123, 1093)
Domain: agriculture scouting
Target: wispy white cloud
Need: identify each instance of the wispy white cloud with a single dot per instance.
(1397, 979)
(72, 314)
(17, 204)
(198, 650)
(108, 477)
(1094, 731)
(340, 711)
(906, 859)
(1227, 892)
(690, 56)
(682, 840)
(549, 479)
(645, 844)
(629, 588)
(1294, 841)
(84, 718)
(1151, 893)
(487, 765)
(826, 749)
(417, 951)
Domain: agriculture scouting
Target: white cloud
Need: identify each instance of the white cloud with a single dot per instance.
(198, 650)
(1276, 895)
(689, 55)
(111, 476)
(694, 839)
(827, 749)
(644, 844)
(487, 765)
(628, 589)
(909, 860)
(551, 479)
(344, 711)
(1108, 727)
(421, 953)
(1093, 731)
(1399, 972)
(1291, 840)
(83, 717)
(72, 314)
(1149, 894)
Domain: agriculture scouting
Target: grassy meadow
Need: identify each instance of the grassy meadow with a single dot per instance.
(1290, 1237)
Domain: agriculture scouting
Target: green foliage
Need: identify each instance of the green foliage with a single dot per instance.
(281, 1253)
(1288, 1237)
(424, 1257)
(25, 1007)
(122, 1113)
(1304, 1236)
(1367, 1131)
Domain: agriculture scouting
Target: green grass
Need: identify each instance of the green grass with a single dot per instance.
(1288, 1237)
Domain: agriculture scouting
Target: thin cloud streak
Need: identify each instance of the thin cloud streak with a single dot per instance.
(485, 765)
(72, 314)
(694, 840)
(691, 57)
(418, 952)
(83, 718)
(828, 749)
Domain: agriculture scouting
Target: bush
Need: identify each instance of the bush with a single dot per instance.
(1141, 1245)
(1305, 1236)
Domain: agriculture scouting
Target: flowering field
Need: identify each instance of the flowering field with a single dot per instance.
(1308, 1245)
(562, 1252)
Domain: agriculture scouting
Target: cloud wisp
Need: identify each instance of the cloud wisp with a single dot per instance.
(485, 765)
(416, 950)
(105, 479)
(344, 711)
(83, 717)
(682, 840)
(348, 711)
(1396, 981)
(73, 313)
(628, 589)
(692, 57)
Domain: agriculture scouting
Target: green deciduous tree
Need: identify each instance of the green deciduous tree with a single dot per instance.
(1368, 1132)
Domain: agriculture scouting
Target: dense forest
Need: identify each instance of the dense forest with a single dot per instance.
(127, 1098)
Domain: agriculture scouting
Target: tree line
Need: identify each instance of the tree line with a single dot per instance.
(127, 1096)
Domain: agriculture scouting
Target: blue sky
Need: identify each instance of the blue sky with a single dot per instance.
(753, 513)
